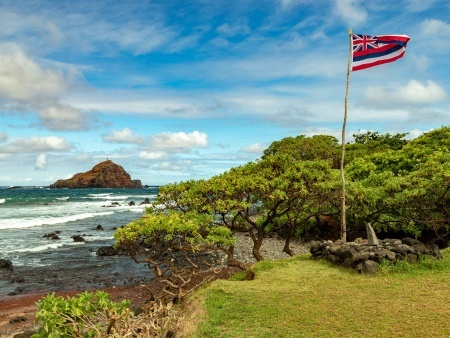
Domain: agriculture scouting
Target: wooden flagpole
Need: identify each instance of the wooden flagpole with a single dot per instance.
(343, 213)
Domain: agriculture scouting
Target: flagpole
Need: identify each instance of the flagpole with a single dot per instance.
(343, 213)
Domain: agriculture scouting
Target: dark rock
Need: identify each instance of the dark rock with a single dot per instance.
(106, 174)
(78, 238)
(357, 255)
(6, 265)
(106, 251)
(52, 235)
(146, 201)
(99, 228)
(131, 203)
(16, 292)
(17, 280)
(25, 334)
(370, 267)
(17, 319)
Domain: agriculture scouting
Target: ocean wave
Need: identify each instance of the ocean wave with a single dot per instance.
(2, 200)
(48, 246)
(39, 221)
(104, 194)
(65, 198)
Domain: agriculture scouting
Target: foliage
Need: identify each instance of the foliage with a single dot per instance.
(176, 245)
(84, 315)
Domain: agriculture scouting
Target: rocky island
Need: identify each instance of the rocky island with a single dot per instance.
(106, 174)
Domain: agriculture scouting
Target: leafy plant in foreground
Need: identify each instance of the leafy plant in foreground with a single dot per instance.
(84, 315)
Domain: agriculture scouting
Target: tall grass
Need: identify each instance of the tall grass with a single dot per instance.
(300, 297)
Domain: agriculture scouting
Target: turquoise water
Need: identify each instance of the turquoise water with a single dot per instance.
(28, 213)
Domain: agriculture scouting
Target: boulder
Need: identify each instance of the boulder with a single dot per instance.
(371, 237)
(370, 267)
(106, 174)
(111, 251)
(131, 203)
(51, 235)
(78, 238)
(6, 265)
(99, 228)
(146, 201)
(106, 251)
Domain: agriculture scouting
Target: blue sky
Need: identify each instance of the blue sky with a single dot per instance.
(175, 90)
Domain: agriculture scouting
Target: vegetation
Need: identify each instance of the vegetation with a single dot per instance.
(305, 298)
(84, 315)
(293, 190)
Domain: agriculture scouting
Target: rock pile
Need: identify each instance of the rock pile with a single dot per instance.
(365, 257)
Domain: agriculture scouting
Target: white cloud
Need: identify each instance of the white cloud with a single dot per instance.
(419, 5)
(23, 79)
(125, 135)
(233, 30)
(179, 140)
(152, 155)
(3, 137)
(26, 85)
(35, 145)
(256, 148)
(351, 11)
(174, 166)
(435, 28)
(56, 116)
(414, 93)
(41, 162)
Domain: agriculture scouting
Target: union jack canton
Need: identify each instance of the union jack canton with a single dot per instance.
(369, 51)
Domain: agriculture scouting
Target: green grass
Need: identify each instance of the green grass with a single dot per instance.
(300, 297)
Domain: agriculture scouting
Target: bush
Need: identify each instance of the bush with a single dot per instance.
(84, 315)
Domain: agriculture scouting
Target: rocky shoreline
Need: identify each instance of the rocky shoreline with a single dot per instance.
(17, 311)
(115, 270)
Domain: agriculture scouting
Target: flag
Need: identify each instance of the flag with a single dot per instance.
(369, 51)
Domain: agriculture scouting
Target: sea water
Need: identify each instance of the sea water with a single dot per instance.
(29, 213)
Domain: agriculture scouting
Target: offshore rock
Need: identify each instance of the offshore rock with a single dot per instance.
(106, 174)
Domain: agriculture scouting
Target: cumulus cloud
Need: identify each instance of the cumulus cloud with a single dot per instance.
(351, 11)
(152, 155)
(26, 85)
(36, 145)
(125, 135)
(256, 148)
(414, 93)
(23, 79)
(179, 140)
(41, 162)
(58, 116)
(3, 137)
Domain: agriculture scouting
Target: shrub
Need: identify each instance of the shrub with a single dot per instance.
(84, 315)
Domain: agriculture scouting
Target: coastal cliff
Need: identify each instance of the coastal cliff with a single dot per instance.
(106, 174)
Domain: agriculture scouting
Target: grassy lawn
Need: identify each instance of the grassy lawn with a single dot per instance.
(304, 298)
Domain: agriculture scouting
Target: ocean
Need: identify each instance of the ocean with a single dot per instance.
(27, 214)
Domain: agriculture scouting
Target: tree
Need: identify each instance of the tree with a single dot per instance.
(176, 245)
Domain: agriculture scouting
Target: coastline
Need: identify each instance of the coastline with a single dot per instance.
(17, 312)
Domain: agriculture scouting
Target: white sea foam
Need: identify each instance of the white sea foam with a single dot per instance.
(2, 200)
(105, 194)
(65, 198)
(47, 247)
(38, 221)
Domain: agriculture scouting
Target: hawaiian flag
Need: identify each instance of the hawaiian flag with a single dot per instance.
(370, 51)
